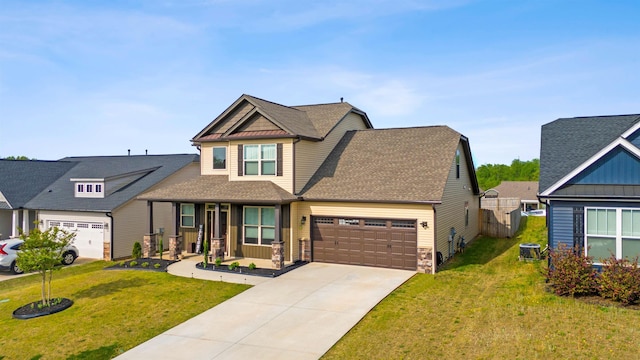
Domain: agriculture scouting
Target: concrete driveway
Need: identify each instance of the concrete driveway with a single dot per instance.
(298, 315)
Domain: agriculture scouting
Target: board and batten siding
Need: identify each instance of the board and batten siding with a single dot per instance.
(451, 213)
(285, 181)
(311, 154)
(418, 212)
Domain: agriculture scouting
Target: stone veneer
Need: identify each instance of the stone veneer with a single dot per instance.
(305, 249)
(425, 260)
(217, 249)
(277, 255)
(106, 251)
(175, 247)
(149, 245)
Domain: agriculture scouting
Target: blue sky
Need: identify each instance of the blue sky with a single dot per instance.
(100, 77)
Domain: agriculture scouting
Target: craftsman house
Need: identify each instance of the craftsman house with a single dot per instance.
(318, 183)
(590, 180)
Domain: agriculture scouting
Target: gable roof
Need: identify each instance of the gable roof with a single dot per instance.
(312, 122)
(218, 188)
(571, 144)
(389, 165)
(525, 190)
(21, 180)
(133, 175)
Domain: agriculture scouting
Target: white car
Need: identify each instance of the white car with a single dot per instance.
(9, 253)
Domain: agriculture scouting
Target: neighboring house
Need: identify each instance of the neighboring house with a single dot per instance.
(95, 196)
(20, 181)
(319, 181)
(590, 180)
(526, 191)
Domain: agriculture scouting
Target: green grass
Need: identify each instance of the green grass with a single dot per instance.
(486, 304)
(113, 311)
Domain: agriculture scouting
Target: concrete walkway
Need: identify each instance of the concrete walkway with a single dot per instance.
(298, 315)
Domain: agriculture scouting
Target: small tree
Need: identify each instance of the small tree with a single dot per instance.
(137, 250)
(206, 253)
(42, 252)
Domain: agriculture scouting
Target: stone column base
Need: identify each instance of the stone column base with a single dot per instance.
(217, 248)
(277, 255)
(175, 247)
(149, 245)
(305, 249)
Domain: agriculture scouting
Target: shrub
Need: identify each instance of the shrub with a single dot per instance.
(620, 280)
(137, 250)
(144, 264)
(218, 261)
(233, 265)
(156, 265)
(570, 273)
(252, 266)
(133, 263)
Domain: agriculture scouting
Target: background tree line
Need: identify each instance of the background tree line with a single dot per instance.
(491, 175)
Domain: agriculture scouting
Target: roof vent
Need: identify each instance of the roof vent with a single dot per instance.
(341, 99)
(128, 152)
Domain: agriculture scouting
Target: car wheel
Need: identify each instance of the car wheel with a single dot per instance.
(15, 269)
(68, 258)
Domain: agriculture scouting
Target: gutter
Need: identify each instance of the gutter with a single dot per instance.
(111, 230)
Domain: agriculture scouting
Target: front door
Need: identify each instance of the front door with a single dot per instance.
(210, 224)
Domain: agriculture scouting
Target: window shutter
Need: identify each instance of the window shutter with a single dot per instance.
(279, 159)
(240, 160)
(578, 227)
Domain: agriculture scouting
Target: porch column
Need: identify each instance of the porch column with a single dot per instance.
(217, 242)
(149, 245)
(277, 247)
(176, 220)
(15, 218)
(25, 221)
(150, 217)
(175, 246)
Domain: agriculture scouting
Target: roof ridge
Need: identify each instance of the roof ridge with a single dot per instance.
(600, 116)
(271, 102)
(321, 104)
(409, 128)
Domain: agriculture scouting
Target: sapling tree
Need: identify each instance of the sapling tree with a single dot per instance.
(206, 253)
(42, 252)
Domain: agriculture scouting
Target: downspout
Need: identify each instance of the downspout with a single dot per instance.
(111, 228)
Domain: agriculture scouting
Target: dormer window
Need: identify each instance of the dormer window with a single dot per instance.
(89, 188)
(219, 158)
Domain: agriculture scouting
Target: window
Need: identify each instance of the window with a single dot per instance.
(219, 158)
(457, 164)
(259, 224)
(80, 188)
(187, 215)
(89, 188)
(260, 159)
(612, 231)
(98, 188)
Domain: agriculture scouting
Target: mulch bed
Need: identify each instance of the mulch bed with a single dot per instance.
(32, 310)
(255, 272)
(139, 264)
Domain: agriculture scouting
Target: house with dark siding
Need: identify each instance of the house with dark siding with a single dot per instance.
(590, 181)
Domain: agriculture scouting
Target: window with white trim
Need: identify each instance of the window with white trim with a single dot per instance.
(219, 158)
(89, 190)
(187, 215)
(612, 231)
(260, 159)
(259, 225)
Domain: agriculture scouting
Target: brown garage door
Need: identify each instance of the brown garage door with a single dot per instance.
(386, 243)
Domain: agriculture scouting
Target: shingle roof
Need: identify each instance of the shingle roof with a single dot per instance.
(218, 188)
(568, 142)
(60, 194)
(387, 165)
(21, 180)
(309, 121)
(525, 190)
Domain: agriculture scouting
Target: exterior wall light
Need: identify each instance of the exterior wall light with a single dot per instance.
(303, 220)
(424, 224)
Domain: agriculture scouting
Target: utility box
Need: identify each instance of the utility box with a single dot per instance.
(529, 251)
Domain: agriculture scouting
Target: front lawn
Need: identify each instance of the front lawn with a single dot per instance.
(488, 305)
(113, 311)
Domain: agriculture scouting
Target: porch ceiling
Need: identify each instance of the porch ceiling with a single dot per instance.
(218, 188)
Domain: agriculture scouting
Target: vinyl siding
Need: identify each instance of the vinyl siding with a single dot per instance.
(419, 212)
(451, 213)
(206, 158)
(131, 218)
(311, 154)
(285, 181)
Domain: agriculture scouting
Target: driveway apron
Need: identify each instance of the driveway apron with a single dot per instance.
(298, 315)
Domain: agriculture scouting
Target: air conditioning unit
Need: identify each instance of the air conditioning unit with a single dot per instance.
(529, 251)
